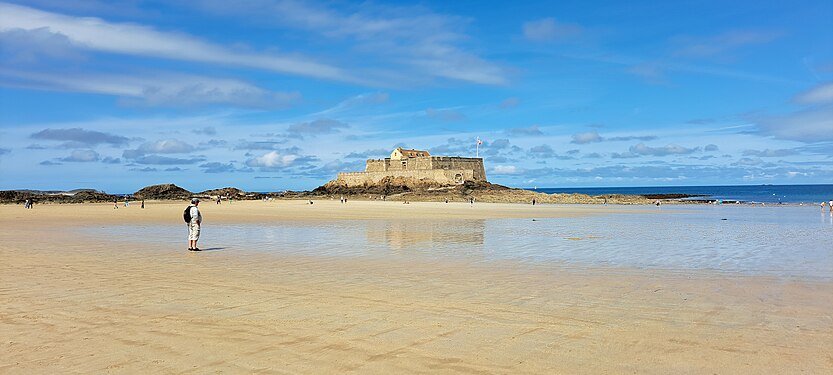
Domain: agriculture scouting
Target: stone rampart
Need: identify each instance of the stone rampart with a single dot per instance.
(439, 176)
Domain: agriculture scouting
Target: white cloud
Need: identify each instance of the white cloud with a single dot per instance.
(165, 146)
(587, 137)
(82, 156)
(137, 40)
(548, 29)
(272, 159)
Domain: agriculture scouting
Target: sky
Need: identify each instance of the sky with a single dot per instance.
(272, 95)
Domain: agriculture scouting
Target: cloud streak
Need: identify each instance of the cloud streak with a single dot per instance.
(79, 136)
(95, 34)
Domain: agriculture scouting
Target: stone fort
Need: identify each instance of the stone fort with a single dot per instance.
(419, 165)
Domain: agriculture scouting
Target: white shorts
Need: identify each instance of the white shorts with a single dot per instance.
(193, 232)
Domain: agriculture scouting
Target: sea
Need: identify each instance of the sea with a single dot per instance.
(793, 194)
(785, 241)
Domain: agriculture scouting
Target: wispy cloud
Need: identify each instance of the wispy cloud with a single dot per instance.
(722, 43)
(510, 103)
(156, 89)
(817, 95)
(586, 137)
(321, 126)
(217, 167)
(80, 137)
(431, 44)
(809, 125)
(445, 114)
(770, 153)
(548, 30)
(165, 160)
(94, 34)
(533, 130)
(642, 149)
(593, 136)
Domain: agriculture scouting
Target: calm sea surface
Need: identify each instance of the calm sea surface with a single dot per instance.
(747, 193)
(784, 241)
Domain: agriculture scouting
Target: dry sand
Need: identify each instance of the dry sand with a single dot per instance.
(70, 303)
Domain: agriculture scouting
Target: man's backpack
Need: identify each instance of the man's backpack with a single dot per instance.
(187, 214)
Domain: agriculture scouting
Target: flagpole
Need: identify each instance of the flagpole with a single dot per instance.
(477, 148)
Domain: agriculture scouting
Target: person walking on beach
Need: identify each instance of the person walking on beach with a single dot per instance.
(830, 204)
(194, 225)
(143, 203)
(115, 204)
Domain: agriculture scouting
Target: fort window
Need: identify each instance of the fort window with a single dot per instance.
(458, 178)
(404, 164)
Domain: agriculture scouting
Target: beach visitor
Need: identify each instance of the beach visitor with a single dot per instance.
(143, 203)
(533, 201)
(471, 201)
(115, 204)
(194, 225)
(830, 204)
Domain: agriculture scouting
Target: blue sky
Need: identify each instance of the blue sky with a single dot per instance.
(268, 95)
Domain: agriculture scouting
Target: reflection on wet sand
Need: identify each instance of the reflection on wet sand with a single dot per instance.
(403, 234)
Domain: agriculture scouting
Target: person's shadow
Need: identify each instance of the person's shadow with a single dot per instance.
(213, 249)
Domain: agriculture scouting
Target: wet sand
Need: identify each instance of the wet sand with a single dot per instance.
(75, 303)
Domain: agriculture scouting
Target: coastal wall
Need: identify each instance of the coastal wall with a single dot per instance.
(440, 176)
(429, 163)
(451, 163)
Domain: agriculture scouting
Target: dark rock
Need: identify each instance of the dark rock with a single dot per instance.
(162, 192)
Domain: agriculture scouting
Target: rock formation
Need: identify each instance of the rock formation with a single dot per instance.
(163, 191)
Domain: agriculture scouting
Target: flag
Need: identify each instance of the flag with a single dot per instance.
(479, 142)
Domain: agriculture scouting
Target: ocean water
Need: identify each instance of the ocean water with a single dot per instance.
(809, 194)
(782, 241)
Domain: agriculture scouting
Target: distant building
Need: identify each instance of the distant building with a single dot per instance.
(419, 165)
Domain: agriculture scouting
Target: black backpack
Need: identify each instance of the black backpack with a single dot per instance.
(187, 214)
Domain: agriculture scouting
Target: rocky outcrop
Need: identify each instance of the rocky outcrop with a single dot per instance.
(403, 188)
(162, 192)
(224, 192)
(393, 185)
(75, 196)
(230, 192)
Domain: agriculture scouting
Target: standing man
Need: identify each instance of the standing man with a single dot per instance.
(194, 225)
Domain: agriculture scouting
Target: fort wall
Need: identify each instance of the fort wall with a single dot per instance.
(440, 176)
(445, 170)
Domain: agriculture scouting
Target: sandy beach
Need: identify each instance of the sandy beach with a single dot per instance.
(73, 302)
